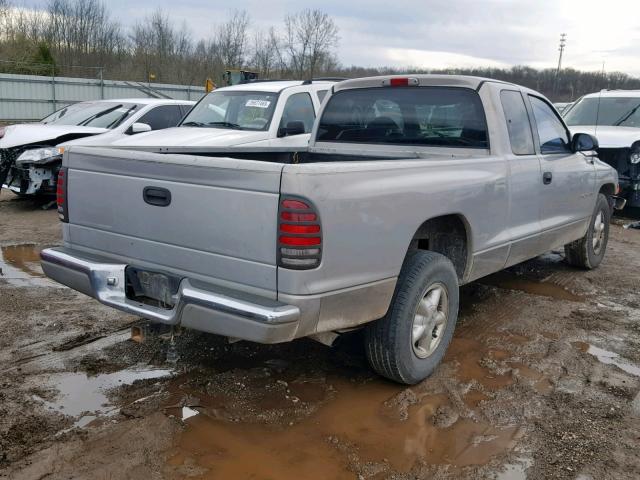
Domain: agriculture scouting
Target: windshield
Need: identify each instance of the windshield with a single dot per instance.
(234, 110)
(421, 116)
(92, 114)
(606, 111)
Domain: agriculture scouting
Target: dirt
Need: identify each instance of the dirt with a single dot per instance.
(541, 381)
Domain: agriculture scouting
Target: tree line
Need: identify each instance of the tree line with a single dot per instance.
(69, 37)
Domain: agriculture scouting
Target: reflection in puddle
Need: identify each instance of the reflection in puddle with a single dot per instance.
(609, 358)
(509, 281)
(20, 266)
(85, 397)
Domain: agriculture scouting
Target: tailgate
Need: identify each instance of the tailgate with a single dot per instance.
(220, 225)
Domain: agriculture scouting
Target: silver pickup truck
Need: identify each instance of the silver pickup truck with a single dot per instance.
(411, 186)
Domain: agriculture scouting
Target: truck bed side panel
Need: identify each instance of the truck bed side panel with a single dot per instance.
(370, 211)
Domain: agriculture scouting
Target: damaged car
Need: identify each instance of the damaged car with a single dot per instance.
(613, 117)
(31, 154)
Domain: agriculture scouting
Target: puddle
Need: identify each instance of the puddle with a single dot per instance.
(510, 281)
(351, 423)
(354, 422)
(85, 397)
(609, 358)
(20, 266)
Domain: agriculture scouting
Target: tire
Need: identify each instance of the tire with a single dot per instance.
(589, 251)
(389, 341)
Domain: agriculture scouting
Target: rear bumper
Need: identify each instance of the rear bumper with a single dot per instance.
(198, 306)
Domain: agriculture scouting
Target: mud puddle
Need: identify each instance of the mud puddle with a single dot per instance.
(366, 427)
(20, 266)
(510, 281)
(354, 428)
(85, 397)
(609, 358)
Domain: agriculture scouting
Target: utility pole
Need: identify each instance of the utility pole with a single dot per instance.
(563, 43)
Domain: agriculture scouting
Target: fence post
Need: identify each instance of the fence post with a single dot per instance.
(53, 87)
(101, 83)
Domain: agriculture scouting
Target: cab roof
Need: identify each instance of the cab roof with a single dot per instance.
(614, 93)
(274, 86)
(423, 79)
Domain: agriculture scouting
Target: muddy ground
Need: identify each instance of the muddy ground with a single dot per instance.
(541, 381)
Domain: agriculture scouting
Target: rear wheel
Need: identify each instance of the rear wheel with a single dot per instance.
(589, 251)
(409, 342)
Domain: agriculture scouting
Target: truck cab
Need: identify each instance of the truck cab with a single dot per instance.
(255, 114)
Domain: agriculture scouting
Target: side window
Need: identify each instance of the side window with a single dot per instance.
(553, 135)
(321, 94)
(184, 109)
(515, 114)
(162, 117)
(299, 108)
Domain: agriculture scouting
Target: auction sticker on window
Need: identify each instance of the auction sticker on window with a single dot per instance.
(258, 103)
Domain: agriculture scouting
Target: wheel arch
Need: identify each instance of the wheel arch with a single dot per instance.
(449, 235)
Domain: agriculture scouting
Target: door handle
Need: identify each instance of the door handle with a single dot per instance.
(547, 177)
(156, 196)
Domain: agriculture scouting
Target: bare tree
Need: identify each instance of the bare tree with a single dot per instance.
(309, 38)
(82, 30)
(162, 49)
(266, 55)
(232, 39)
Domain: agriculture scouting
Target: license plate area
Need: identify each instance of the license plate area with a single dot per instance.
(157, 289)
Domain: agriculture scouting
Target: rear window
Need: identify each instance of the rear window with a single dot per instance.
(420, 116)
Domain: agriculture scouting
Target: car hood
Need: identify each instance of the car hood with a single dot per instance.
(192, 137)
(610, 137)
(29, 133)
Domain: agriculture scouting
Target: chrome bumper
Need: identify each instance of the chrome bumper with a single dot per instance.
(201, 307)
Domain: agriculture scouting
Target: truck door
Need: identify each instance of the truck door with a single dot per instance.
(567, 180)
(524, 180)
(296, 121)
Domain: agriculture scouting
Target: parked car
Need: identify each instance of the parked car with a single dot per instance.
(411, 186)
(613, 116)
(31, 153)
(259, 114)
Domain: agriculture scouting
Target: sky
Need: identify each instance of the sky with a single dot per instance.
(439, 33)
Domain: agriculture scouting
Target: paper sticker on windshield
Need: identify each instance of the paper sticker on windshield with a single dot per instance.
(258, 103)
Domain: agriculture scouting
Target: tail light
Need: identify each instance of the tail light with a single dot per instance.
(299, 234)
(61, 195)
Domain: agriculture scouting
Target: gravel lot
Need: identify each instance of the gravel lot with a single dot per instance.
(541, 381)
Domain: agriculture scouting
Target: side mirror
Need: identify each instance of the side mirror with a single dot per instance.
(292, 128)
(584, 142)
(139, 128)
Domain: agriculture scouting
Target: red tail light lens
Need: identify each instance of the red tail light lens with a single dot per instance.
(400, 82)
(300, 235)
(61, 195)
